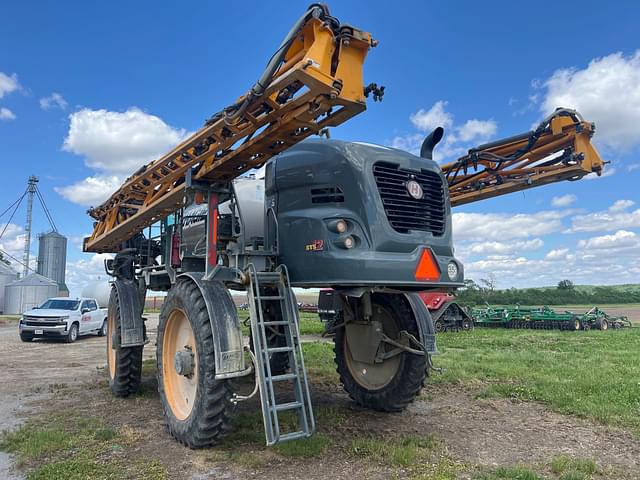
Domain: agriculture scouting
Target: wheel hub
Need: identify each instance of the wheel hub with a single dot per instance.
(183, 362)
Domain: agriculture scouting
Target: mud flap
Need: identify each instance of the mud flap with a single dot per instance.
(131, 322)
(425, 322)
(225, 327)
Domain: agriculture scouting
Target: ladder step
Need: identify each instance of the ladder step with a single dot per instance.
(276, 297)
(288, 406)
(293, 436)
(266, 277)
(279, 349)
(276, 322)
(283, 377)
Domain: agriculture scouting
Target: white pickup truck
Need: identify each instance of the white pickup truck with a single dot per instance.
(63, 318)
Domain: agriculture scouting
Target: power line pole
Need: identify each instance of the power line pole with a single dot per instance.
(31, 190)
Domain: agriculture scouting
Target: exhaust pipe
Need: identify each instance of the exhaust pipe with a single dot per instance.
(430, 142)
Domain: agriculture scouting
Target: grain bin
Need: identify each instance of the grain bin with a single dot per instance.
(28, 292)
(7, 275)
(52, 259)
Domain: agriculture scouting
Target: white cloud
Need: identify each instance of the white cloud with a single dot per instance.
(86, 270)
(502, 226)
(8, 84)
(115, 144)
(621, 205)
(457, 138)
(563, 200)
(6, 114)
(52, 101)
(620, 239)
(557, 254)
(91, 191)
(633, 166)
(606, 92)
(502, 248)
(473, 129)
(436, 116)
(119, 142)
(615, 218)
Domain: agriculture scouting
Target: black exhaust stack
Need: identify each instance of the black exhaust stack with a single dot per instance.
(430, 142)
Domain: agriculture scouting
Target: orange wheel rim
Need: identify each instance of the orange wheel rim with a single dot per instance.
(111, 353)
(179, 389)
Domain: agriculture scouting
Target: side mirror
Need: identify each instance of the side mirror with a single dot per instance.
(85, 310)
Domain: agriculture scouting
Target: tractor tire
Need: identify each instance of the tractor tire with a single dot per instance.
(602, 324)
(391, 388)
(575, 324)
(124, 364)
(197, 407)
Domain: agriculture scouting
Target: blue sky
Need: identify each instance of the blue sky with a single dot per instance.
(90, 90)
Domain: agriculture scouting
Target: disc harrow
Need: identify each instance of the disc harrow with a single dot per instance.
(545, 318)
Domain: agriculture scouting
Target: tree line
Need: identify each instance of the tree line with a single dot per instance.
(564, 294)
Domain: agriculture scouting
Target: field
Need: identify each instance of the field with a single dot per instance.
(508, 404)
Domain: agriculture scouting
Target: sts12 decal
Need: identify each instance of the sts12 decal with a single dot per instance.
(315, 246)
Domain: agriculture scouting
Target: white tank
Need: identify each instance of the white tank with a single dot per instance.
(28, 292)
(7, 275)
(100, 290)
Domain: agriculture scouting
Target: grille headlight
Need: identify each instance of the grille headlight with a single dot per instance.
(452, 270)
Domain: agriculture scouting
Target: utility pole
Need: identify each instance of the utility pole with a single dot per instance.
(31, 189)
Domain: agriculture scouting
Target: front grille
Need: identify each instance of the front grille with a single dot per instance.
(405, 213)
(43, 321)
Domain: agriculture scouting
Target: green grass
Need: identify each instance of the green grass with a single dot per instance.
(73, 447)
(310, 324)
(318, 358)
(590, 374)
(510, 473)
(573, 468)
(395, 452)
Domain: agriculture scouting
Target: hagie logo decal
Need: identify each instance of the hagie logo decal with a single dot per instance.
(414, 189)
(315, 246)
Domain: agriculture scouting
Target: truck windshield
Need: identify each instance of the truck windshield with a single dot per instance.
(61, 304)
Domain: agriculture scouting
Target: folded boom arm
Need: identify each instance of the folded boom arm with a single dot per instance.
(559, 149)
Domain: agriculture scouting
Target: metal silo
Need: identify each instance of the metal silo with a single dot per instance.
(28, 292)
(7, 275)
(52, 258)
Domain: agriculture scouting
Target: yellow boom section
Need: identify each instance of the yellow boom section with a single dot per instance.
(559, 149)
(315, 81)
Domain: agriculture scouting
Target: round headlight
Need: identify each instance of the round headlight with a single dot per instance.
(341, 226)
(452, 270)
(348, 242)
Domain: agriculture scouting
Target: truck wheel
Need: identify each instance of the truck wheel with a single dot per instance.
(198, 408)
(124, 365)
(393, 384)
(25, 337)
(103, 329)
(72, 336)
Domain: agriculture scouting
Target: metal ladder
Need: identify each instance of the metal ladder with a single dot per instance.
(289, 324)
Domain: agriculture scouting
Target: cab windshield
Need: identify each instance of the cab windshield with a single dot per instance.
(61, 304)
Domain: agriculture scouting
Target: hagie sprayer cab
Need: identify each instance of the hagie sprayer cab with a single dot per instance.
(371, 222)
